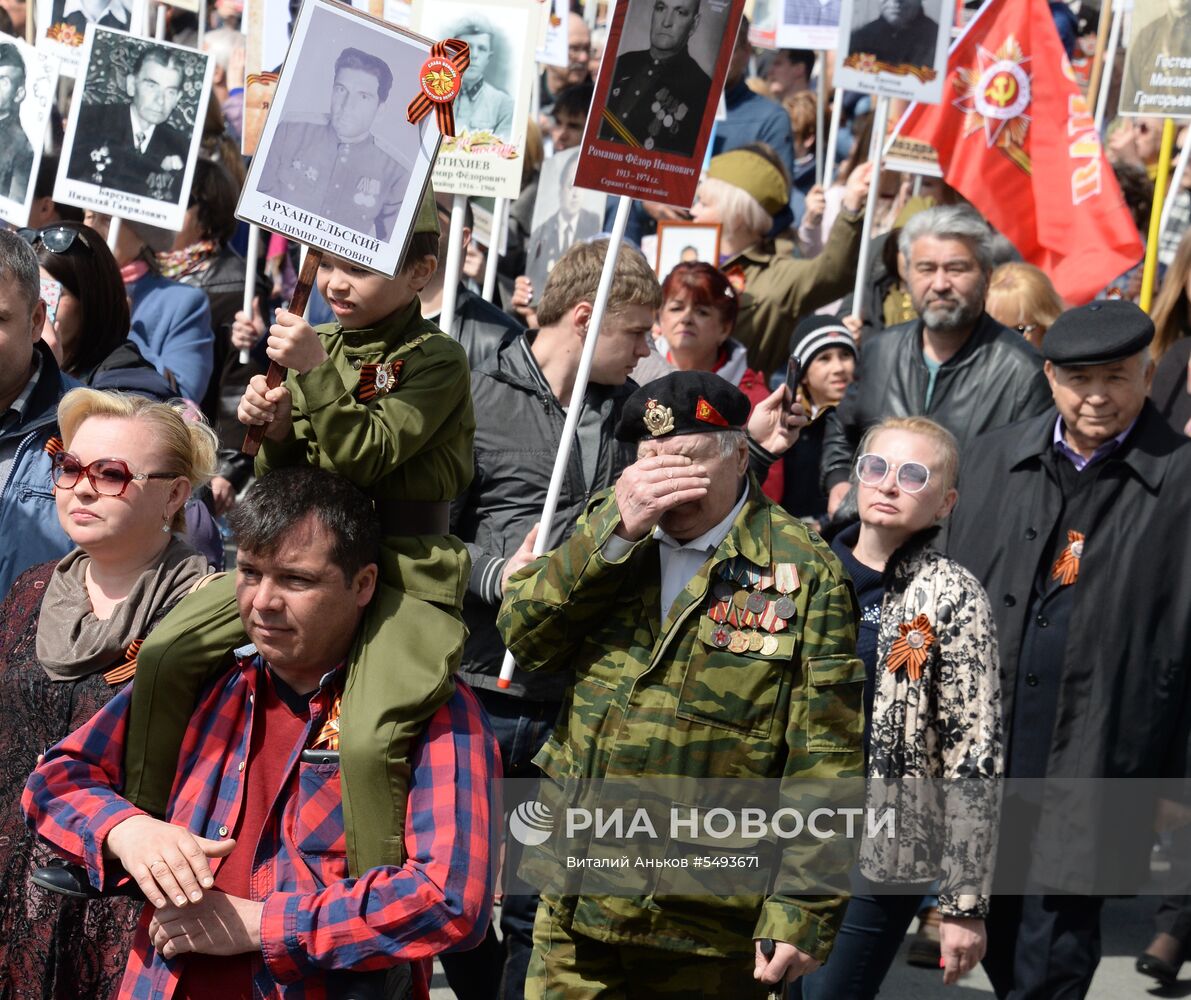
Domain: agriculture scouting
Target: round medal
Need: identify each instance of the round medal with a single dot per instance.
(756, 642)
(756, 602)
(720, 637)
(769, 646)
(740, 599)
(738, 643)
(915, 639)
(722, 591)
(784, 608)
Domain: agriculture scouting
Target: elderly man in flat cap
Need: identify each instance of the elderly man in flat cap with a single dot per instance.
(708, 635)
(1075, 521)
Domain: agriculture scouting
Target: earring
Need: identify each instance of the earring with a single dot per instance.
(165, 525)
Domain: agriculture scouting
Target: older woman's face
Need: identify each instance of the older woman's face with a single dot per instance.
(694, 331)
(886, 505)
(705, 209)
(126, 527)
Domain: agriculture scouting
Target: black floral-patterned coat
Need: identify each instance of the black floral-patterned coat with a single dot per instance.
(936, 752)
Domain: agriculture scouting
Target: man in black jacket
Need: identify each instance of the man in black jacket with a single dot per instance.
(1076, 523)
(955, 364)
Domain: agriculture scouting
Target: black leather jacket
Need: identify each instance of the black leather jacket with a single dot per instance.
(995, 379)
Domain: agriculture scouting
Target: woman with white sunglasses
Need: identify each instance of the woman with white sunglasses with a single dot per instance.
(933, 714)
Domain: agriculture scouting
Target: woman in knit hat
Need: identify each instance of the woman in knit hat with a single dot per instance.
(743, 191)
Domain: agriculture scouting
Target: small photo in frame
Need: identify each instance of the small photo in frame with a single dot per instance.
(134, 130)
(339, 166)
(65, 25)
(686, 242)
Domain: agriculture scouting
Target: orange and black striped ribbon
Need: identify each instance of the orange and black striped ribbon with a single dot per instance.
(458, 54)
(328, 734)
(53, 446)
(124, 670)
(1066, 567)
(367, 388)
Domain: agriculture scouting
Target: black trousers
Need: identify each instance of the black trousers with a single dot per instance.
(1043, 947)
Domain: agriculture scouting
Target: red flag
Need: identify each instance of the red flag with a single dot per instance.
(1015, 137)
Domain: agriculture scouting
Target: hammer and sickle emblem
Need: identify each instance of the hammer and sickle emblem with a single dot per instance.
(1002, 90)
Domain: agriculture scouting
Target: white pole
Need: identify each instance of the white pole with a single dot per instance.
(1176, 185)
(159, 31)
(450, 279)
(837, 109)
(202, 25)
(876, 147)
(254, 252)
(500, 212)
(1110, 57)
(820, 111)
(113, 233)
(590, 11)
(577, 393)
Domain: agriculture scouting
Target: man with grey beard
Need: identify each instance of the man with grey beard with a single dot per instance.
(955, 364)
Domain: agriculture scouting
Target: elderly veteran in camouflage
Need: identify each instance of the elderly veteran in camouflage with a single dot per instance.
(678, 675)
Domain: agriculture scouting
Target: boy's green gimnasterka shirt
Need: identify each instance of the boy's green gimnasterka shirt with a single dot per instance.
(410, 443)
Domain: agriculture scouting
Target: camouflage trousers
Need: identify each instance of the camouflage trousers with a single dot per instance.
(569, 966)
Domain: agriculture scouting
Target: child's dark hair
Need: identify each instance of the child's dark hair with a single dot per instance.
(420, 245)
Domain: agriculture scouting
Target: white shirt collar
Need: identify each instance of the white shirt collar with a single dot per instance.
(140, 126)
(114, 8)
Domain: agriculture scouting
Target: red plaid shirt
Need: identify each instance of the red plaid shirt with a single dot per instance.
(315, 917)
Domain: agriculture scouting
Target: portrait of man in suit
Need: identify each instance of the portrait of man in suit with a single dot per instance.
(79, 13)
(130, 146)
(658, 94)
(570, 224)
(1147, 83)
(329, 162)
(900, 35)
(16, 152)
(482, 105)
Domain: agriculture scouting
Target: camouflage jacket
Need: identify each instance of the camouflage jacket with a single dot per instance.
(652, 699)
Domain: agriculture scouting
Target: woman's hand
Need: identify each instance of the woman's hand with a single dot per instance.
(248, 330)
(962, 942)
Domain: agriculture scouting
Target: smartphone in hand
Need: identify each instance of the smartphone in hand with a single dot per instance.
(793, 378)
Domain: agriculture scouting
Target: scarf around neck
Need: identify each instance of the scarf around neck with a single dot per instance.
(72, 643)
(196, 257)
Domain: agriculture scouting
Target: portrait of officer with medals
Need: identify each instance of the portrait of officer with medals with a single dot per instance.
(329, 163)
(658, 94)
(483, 105)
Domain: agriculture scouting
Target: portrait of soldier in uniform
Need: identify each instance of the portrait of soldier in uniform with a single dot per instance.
(900, 35)
(481, 105)
(1168, 34)
(130, 146)
(571, 223)
(658, 94)
(16, 152)
(329, 163)
(77, 14)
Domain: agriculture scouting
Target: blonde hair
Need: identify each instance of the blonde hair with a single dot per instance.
(1171, 307)
(576, 278)
(943, 440)
(535, 152)
(738, 210)
(189, 444)
(1026, 290)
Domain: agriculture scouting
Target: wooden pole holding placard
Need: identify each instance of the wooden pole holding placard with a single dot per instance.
(837, 109)
(578, 391)
(1097, 76)
(1150, 270)
(1110, 58)
(297, 305)
(500, 212)
(454, 263)
(820, 112)
(250, 263)
(875, 149)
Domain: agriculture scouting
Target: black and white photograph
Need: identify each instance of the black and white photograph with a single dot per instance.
(563, 214)
(485, 155)
(661, 81)
(895, 48)
(1156, 80)
(28, 84)
(339, 166)
(808, 24)
(686, 243)
(65, 25)
(134, 128)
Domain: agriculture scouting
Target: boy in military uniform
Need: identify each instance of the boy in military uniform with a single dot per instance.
(710, 636)
(330, 164)
(383, 398)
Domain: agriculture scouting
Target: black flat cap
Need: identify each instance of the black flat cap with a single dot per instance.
(683, 403)
(1097, 333)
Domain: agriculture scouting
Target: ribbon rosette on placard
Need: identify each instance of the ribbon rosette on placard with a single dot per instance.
(910, 649)
(441, 79)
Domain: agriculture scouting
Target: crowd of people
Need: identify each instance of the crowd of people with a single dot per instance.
(934, 539)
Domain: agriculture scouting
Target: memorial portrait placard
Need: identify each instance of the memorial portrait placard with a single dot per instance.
(894, 48)
(134, 129)
(563, 214)
(27, 94)
(1157, 78)
(808, 24)
(684, 243)
(339, 167)
(62, 25)
(656, 96)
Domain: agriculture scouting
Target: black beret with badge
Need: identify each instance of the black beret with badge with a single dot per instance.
(683, 403)
(1097, 333)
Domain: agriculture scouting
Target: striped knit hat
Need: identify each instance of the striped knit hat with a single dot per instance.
(817, 333)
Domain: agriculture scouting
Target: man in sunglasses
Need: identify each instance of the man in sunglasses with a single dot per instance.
(1075, 522)
(30, 387)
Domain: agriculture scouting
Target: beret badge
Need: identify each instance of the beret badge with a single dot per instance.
(658, 419)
